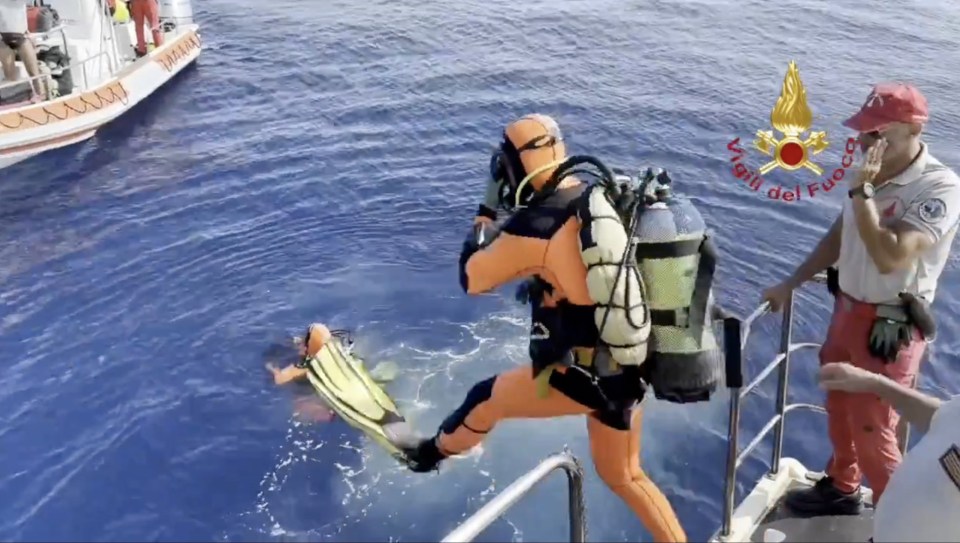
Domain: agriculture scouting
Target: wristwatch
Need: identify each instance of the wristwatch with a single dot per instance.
(867, 190)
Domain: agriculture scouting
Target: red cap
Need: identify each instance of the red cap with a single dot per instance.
(889, 103)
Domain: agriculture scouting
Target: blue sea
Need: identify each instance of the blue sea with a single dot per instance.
(321, 163)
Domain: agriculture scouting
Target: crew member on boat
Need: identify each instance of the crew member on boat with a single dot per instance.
(146, 12)
(14, 40)
(923, 498)
(890, 244)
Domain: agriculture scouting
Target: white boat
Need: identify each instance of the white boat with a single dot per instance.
(101, 78)
(761, 515)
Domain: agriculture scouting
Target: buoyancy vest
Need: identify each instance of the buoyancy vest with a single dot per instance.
(614, 281)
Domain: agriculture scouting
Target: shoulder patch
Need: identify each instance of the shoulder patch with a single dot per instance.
(932, 210)
(950, 461)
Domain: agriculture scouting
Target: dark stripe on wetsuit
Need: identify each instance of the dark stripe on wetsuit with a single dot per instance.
(478, 394)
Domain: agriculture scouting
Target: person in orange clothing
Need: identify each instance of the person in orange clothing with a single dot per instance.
(146, 12)
(541, 242)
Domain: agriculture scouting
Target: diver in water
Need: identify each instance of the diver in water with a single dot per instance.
(569, 375)
(340, 382)
(316, 337)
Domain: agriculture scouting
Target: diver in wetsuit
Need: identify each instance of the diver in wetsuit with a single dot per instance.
(316, 337)
(541, 242)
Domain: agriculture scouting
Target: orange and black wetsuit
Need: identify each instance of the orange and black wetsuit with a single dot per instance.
(541, 242)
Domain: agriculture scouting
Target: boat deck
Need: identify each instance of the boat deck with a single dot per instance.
(840, 528)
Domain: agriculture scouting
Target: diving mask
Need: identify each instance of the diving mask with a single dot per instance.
(506, 168)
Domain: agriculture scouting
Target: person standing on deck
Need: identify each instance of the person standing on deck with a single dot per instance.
(14, 39)
(923, 497)
(890, 245)
(146, 12)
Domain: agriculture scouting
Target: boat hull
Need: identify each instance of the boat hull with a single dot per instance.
(32, 130)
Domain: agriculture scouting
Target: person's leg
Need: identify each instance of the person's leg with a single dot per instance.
(139, 14)
(837, 492)
(874, 420)
(28, 54)
(510, 395)
(153, 19)
(616, 456)
(8, 59)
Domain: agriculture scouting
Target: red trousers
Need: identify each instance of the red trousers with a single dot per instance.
(146, 12)
(863, 428)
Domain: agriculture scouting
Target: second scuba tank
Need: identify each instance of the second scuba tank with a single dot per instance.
(174, 13)
(677, 261)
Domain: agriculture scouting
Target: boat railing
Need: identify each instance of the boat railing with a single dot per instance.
(519, 489)
(73, 68)
(736, 334)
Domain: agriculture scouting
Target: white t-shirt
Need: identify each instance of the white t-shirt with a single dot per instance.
(13, 16)
(927, 197)
(922, 500)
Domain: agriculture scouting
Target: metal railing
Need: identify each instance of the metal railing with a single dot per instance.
(72, 68)
(517, 490)
(736, 334)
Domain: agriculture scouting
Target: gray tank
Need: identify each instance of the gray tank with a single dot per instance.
(677, 261)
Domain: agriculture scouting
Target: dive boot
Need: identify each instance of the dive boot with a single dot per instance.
(824, 499)
(423, 457)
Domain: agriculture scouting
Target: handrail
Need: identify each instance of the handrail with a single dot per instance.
(517, 490)
(736, 334)
(71, 67)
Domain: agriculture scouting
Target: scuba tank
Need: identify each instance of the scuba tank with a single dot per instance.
(677, 261)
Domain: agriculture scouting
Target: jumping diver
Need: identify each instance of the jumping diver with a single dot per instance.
(541, 242)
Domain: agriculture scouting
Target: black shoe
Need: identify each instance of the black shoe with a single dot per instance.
(424, 457)
(824, 500)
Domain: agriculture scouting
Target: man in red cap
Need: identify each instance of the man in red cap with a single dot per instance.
(889, 245)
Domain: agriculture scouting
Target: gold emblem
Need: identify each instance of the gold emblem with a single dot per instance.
(791, 117)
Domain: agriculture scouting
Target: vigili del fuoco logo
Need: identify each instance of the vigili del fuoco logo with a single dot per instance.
(792, 152)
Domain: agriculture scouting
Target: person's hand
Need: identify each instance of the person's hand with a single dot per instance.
(777, 295)
(847, 378)
(870, 166)
(272, 368)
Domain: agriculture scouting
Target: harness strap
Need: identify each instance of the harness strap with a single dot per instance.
(701, 289)
(694, 315)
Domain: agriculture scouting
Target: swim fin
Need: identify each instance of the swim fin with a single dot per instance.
(349, 390)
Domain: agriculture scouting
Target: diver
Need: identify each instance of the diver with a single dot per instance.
(313, 340)
(569, 375)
